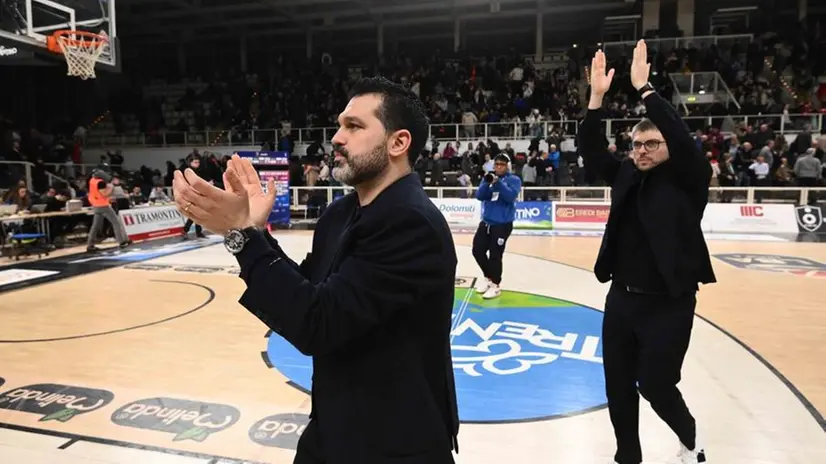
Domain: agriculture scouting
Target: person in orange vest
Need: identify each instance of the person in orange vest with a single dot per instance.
(100, 192)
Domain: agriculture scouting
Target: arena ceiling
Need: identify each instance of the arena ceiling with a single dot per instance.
(174, 19)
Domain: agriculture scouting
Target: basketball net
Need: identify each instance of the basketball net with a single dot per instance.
(82, 51)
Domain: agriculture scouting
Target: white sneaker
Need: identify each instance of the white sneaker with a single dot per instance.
(492, 292)
(695, 456)
(484, 285)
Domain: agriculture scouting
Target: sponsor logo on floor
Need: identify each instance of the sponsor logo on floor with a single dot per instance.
(55, 402)
(14, 275)
(794, 265)
(518, 357)
(189, 422)
(186, 268)
(146, 251)
(186, 420)
(279, 430)
(53, 269)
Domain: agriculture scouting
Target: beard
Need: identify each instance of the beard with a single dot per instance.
(360, 168)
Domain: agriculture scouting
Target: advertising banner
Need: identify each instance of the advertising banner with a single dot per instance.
(810, 219)
(460, 211)
(145, 222)
(273, 165)
(534, 215)
(587, 216)
(750, 218)
(280, 213)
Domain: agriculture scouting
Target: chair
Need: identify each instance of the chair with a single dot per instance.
(28, 244)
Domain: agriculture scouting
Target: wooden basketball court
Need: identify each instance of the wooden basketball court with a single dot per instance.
(144, 356)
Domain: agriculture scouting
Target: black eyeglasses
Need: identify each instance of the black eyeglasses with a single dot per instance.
(650, 145)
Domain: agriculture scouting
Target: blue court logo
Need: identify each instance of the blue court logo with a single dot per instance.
(519, 357)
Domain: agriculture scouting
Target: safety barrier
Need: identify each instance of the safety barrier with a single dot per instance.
(782, 123)
(726, 218)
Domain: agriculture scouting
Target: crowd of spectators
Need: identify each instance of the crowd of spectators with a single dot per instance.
(461, 92)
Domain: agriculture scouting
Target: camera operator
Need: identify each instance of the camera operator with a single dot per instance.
(498, 193)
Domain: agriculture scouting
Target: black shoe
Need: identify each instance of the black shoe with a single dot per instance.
(92, 249)
(125, 244)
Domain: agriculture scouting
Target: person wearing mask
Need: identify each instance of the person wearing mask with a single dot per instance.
(498, 193)
(100, 197)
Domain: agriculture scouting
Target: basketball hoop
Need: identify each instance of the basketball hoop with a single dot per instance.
(81, 49)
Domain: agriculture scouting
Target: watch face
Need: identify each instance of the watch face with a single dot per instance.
(234, 241)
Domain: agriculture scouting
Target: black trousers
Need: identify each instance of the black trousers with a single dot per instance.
(645, 339)
(488, 248)
(310, 451)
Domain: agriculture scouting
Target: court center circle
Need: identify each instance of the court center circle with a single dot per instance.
(520, 357)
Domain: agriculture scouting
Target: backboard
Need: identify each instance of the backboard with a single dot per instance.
(26, 24)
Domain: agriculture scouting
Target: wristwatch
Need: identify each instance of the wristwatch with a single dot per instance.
(236, 239)
(646, 88)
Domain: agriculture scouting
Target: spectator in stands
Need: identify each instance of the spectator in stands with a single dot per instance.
(158, 195)
(137, 196)
(760, 170)
(20, 197)
(809, 172)
(56, 199)
(726, 176)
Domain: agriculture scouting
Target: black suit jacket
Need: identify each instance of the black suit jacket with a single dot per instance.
(372, 305)
(672, 198)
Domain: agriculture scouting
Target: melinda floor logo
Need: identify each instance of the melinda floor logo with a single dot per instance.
(519, 357)
(185, 419)
(55, 402)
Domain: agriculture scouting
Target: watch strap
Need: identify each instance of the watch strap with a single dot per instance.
(648, 86)
(237, 239)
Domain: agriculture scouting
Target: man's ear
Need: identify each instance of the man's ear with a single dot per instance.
(399, 143)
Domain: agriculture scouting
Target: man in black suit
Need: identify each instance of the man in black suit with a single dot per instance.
(371, 303)
(654, 253)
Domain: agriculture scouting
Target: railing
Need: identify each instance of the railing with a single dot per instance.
(692, 85)
(795, 195)
(665, 45)
(23, 169)
(784, 124)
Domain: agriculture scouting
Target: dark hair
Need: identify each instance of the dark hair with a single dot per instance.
(644, 126)
(400, 109)
(502, 157)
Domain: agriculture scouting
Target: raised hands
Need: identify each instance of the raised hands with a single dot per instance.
(600, 79)
(640, 67)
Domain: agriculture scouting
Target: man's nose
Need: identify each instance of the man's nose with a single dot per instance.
(338, 137)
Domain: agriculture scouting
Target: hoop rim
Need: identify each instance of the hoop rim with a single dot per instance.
(53, 41)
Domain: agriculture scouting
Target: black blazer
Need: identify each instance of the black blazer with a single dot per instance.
(672, 198)
(372, 305)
